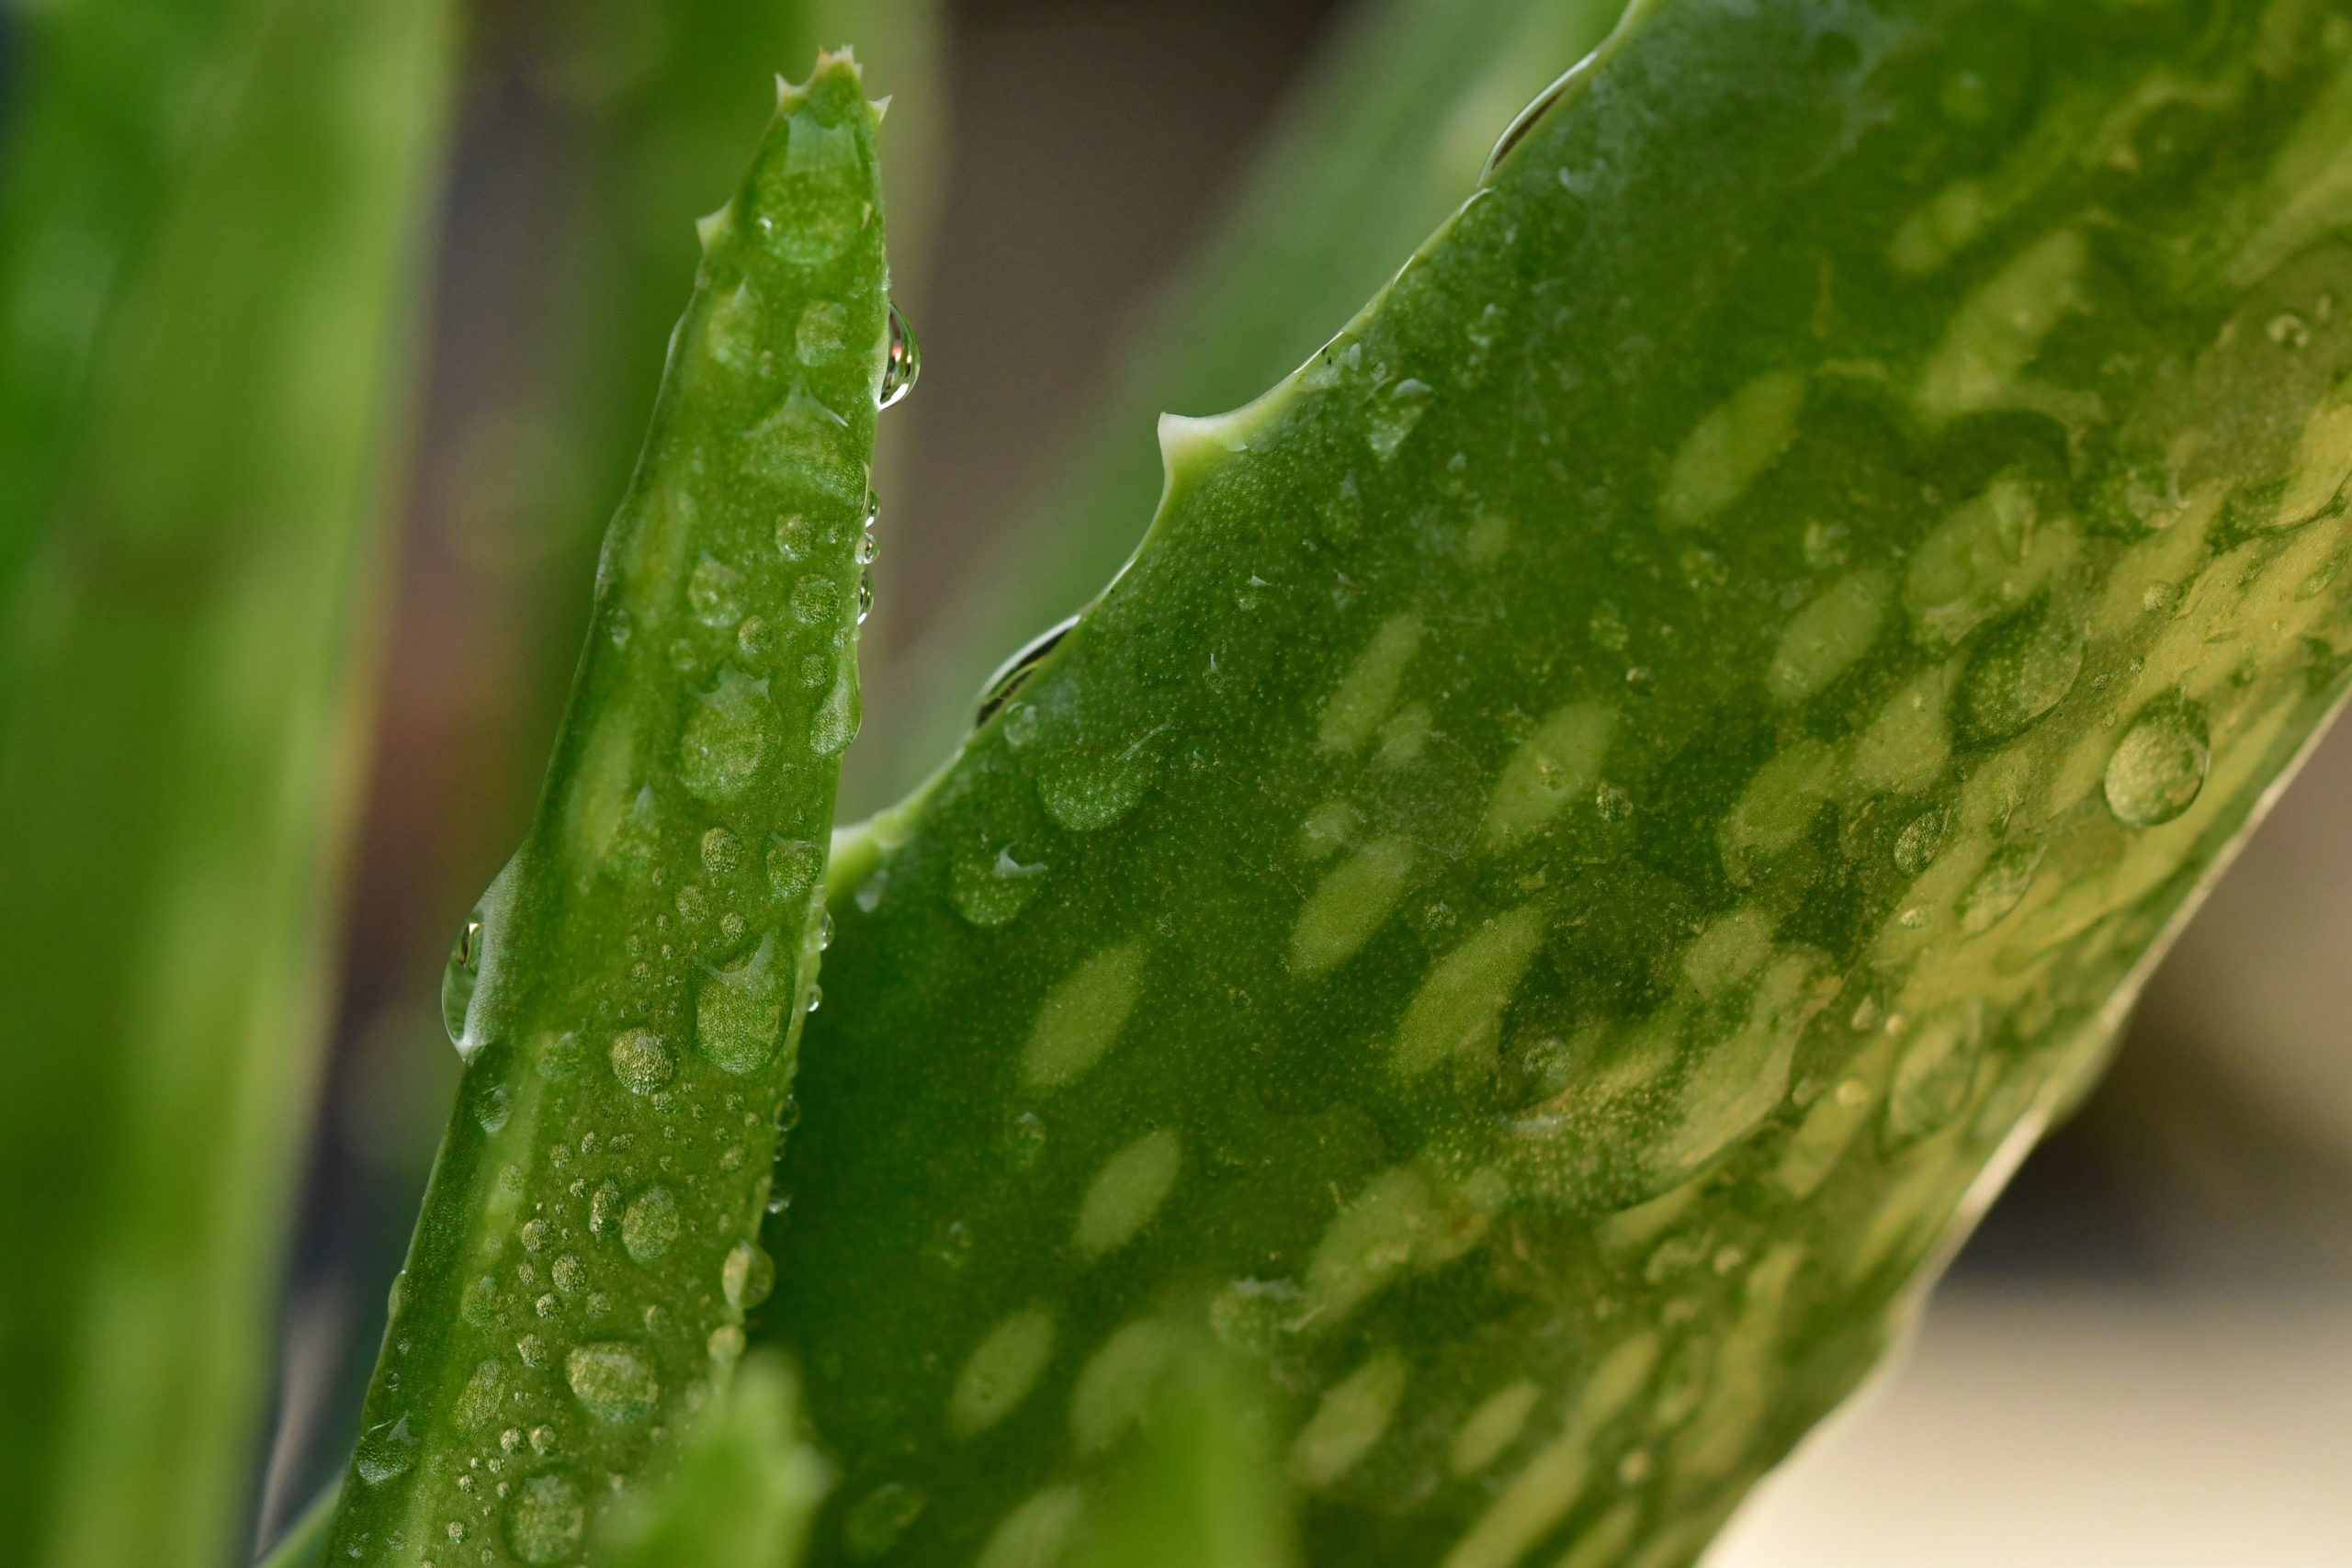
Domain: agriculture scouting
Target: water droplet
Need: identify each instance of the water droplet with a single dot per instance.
(728, 732)
(836, 722)
(794, 536)
(904, 362)
(641, 1061)
(793, 865)
(1087, 789)
(2158, 768)
(747, 1276)
(569, 1273)
(2023, 669)
(533, 1350)
(725, 1343)
(649, 1224)
(385, 1451)
(1015, 673)
(869, 547)
(714, 593)
(1613, 802)
(738, 1013)
(492, 1107)
(459, 977)
(989, 887)
(1393, 415)
(543, 1440)
(721, 851)
(816, 999)
(1999, 888)
(864, 593)
(546, 1520)
(605, 1208)
(822, 333)
(612, 1381)
(1922, 841)
(816, 600)
(536, 1234)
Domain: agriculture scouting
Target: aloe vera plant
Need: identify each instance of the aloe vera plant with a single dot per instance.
(1451, 1017)
(629, 995)
(1612, 806)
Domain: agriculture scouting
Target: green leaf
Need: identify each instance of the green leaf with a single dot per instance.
(664, 98)
(742, 1489)
(1388, 132)
(1613, 806)
(1200, 1484)
(177, 684)
(115, 102)
(629, 995)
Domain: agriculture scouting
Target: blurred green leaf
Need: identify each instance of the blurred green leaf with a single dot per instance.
(742, 1488)
(1387, 133)
(1612, 807)
(114, 101)
(178, 680)
(627, 996)
(1203, 1486)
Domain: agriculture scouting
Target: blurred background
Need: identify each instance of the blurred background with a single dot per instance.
(2144, 1356)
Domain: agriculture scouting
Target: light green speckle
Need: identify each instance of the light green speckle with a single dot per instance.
(1369, 688)
(1999, 329)
(1560, 763)
(1348, 905)
(1490, 1428)
(1083, 1015)
(1824, 639)
(1127, 1192)
(1000, 1371)
(1458, 1009)
(1349, 1419)
(1116, 1387)
(1726, 451)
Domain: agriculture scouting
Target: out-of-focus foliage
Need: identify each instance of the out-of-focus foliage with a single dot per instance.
(195, 523)
(743, 1487)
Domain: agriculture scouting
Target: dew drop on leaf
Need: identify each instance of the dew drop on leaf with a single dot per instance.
(747, 1276)
(385, 1452)
(904, 363)
(641, 1061)
(612, 1381)
(546, 1520)
(728, 733)
(649, 1223)
(2157, 770)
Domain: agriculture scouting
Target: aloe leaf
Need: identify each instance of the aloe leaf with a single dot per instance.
(1612, 806)
(742, 1488)
(178, 683)
(629, 995)
(1388, 132)
(665, 106)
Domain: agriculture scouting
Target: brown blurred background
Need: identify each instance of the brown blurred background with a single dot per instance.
(2145, 1357)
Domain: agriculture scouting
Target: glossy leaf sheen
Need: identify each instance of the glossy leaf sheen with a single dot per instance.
(631, 1005)
(1614, 804)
